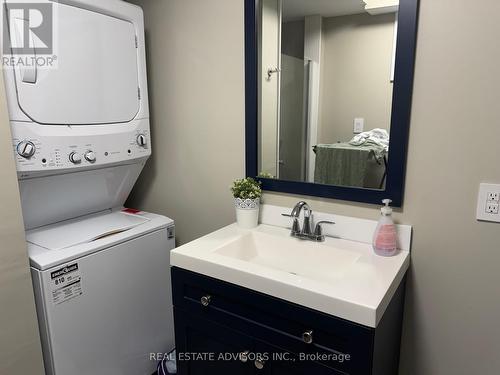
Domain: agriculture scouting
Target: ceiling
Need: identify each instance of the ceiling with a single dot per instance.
(296, 9)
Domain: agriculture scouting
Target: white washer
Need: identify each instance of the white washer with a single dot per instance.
(103, 295)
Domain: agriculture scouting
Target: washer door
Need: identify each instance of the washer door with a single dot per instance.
(95, 80)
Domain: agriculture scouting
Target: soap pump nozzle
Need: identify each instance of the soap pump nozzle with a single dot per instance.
(387, 209)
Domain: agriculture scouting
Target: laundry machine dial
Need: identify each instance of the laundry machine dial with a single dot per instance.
(26, 149)
(142, 140)
(90, 156)
(75, 158)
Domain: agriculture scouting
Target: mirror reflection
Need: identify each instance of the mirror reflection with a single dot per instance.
(325, 97)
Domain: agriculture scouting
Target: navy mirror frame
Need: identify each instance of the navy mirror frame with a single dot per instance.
(400, 118)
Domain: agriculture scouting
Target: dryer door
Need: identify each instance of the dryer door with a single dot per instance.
(96, 77)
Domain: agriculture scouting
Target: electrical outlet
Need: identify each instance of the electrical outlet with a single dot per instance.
(493, 196)
(359, 125)
(492, 208)
(488, 204)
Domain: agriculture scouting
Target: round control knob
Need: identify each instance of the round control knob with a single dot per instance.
(142, 140)
(75, 158)
(205, 300)
(307, 337)
(90, 156)
(26, 149)
(244, 356)
(259, 364)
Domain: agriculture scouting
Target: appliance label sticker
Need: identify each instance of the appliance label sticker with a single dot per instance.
(66, 283)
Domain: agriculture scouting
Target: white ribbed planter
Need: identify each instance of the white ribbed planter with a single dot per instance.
(247, 212)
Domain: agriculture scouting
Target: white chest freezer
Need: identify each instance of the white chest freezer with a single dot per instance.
(103, 292)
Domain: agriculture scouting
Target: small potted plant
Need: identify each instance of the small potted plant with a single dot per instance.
(247, 193)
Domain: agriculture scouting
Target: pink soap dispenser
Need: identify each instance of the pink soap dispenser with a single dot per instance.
(385, 238)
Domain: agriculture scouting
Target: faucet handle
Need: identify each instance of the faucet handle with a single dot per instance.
(318, 230)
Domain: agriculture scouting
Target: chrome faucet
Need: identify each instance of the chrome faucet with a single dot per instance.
(306, 233)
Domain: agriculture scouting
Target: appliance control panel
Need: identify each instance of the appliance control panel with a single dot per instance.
(51, 149)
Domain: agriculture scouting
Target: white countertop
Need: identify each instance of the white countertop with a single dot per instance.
(360, 295)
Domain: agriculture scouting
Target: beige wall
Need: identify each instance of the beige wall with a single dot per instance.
(195, 54)
(20, 350)
(196, 74)
(355, 74)
(293, 38)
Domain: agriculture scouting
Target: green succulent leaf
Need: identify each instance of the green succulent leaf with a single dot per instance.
(246, 188)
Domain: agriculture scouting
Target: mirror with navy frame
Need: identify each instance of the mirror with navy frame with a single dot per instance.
(328, 96)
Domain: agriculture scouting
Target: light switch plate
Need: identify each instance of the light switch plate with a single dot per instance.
(359, 125)
(488, 203)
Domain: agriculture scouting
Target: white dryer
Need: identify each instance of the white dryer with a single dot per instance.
(80, 128)
(102, 290)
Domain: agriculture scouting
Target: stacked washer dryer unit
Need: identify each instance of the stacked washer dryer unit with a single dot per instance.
(81, 138)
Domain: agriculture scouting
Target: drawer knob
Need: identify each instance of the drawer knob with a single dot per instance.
(205, 300)
(244, 356)
(307, 337)
(259, 364)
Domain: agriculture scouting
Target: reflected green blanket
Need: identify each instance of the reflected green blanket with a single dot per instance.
(343, 164)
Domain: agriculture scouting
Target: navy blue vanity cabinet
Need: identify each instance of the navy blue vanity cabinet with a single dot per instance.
(280, 362)
(202, 343)
(261, 334)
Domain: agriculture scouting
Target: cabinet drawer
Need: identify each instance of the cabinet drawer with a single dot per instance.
(276, 321)
(214, 349)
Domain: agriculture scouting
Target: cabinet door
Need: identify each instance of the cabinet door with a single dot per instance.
(207, 348)
(280, 362)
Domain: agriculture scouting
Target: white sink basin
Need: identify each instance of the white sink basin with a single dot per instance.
(338, 277)
(292, 256)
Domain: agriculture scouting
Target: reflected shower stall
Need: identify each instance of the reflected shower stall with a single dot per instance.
(293, 119)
